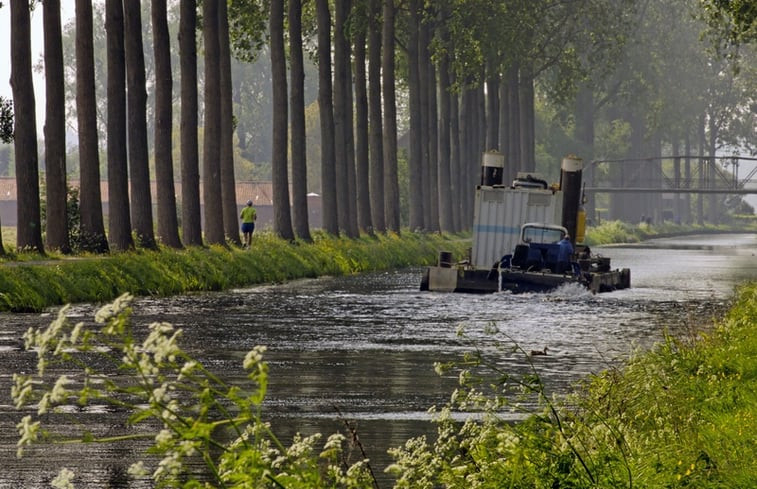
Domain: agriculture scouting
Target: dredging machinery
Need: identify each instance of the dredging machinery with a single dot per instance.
(520, 236)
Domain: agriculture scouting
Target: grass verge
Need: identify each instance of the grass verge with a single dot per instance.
(681, 415)
(610, 232)
(34, 285)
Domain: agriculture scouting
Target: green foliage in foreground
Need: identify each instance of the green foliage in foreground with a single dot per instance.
(681, 415)
(30, 286)
(187, 410)
(610, 232)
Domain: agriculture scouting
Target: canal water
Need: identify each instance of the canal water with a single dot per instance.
(361, 349)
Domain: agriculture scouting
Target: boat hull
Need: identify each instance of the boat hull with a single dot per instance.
(454, 279)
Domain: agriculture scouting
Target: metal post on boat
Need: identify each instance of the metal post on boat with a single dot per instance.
(492, 168)
(570, 185)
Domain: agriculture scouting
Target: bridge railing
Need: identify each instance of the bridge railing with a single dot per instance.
(673, 174)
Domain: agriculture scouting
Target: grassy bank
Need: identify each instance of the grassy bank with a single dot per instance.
(34, 285)
(681, 415)
(610, 232)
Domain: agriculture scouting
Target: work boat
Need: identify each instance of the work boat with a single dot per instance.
(520, 236)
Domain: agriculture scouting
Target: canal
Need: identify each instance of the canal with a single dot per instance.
(362, 348)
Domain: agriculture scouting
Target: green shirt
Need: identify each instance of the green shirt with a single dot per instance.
(248, 214)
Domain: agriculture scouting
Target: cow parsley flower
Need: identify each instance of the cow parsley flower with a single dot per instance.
(64, 479)
(21, 390)
(253, 357)
(138, 470)
(28, 432)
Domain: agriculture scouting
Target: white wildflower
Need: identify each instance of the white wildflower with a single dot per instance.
(168, 468)
(138, 470)
(64, 479)
(44, 404)
(76, 332)
(28, 432)
(160, 345)
(187, 369)
(188, 448)
(278, 462)
(110, 311)
(357, 468)
(169, 413)
(30, 338)
(160, 394)
(334, 442)
(21, 390)
(59, 392)
(302, 446)
(164, 437)
(130, 354)
(439, 368)
(253, 357)
(146, 366)
(57, 325)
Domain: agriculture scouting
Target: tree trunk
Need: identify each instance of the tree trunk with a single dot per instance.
(455, 168)
(56, 222)
(211, 167)
(282, 220)
(503, 127)
(432, 116)
(29, 231)
(480, 127)
(416, 122)
(701, 167)
(513, 123)
(228, 182)
(446, 187)
(376, 143)
(90, 200)
(686, 217)
(424, 87)
(297, 98)
(136, 98)
(326, 109)
(119, 219)
(676, 149)
(468, 145)
(341, 84)
(391, 180)
(168, 226)
(492, 107)
(349, 129)
(713, 208)
(527, 123)
(362, 166)
(190, 166)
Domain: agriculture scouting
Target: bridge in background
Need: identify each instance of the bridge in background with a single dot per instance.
(684, 174)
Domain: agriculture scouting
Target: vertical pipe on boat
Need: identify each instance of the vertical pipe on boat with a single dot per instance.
(492, 168)
(570, 184)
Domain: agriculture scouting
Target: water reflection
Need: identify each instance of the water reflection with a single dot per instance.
(365, 346)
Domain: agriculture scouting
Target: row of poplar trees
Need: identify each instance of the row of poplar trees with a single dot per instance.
(130, 208)
(468, 67)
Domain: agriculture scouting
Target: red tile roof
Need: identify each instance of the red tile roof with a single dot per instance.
(261, 193)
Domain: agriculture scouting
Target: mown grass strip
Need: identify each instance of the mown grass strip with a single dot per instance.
(32, 286)
(610, 232)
